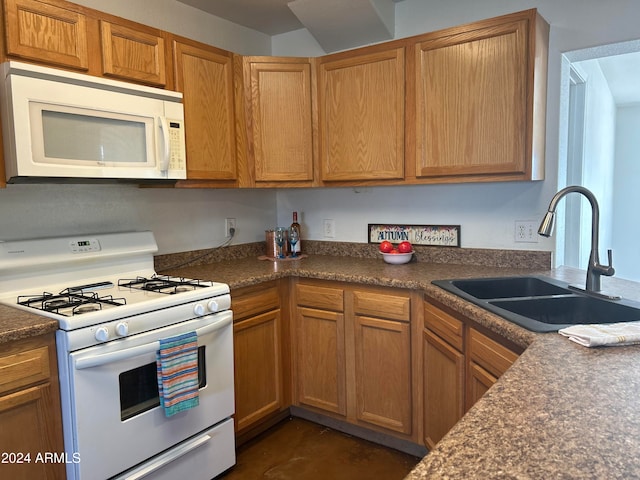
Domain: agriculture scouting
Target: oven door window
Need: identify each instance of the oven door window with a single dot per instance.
(139, 387)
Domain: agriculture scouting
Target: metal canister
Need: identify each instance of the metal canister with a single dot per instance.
(272, 250)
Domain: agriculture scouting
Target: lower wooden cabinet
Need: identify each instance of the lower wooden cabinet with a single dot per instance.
(353, 357)
(488, 360)
(382, 347)
(30, 409)
(459, 365)
(321, 360)
(258, 353)
(443, 371)
(361, 355)
(320, 341)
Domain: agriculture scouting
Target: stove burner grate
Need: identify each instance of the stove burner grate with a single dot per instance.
(69, 302)
(163, 284)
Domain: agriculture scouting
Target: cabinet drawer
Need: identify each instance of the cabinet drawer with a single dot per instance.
(24, 368)
(324, 298)
(254, 302)
(447, 327)
(374, 304)
(489, 354)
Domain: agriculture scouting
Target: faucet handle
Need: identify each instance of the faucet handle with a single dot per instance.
(610, 271)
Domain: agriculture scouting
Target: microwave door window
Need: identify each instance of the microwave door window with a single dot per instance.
(85, 139)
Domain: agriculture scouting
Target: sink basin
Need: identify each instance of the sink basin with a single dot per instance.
(570, 310)
(539, 303)
(484, 288)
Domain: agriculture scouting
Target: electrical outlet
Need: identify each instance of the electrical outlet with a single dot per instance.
(329, 228)
(526, 232)
(229, 223)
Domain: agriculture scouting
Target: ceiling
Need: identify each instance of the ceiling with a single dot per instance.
(335, 24)
(623, 76)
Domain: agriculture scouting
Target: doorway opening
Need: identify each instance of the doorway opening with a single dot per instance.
(602, 144)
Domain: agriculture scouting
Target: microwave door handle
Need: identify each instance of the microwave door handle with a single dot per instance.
(166, 154)
(226, 318)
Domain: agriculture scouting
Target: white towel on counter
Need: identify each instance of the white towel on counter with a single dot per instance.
(610, 334)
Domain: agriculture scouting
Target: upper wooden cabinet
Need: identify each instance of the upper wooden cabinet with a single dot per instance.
(133, 54)
(478, 99)
(63, 34)
(204, 75)
(46, 32)
(278, 121)
(361, 115)
(464, 104)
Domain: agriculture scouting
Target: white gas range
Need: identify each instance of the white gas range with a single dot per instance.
(114, 312)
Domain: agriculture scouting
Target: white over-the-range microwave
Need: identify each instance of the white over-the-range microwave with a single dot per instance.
(63, 125)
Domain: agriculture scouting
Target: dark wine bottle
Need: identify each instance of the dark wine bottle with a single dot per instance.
(295, 247)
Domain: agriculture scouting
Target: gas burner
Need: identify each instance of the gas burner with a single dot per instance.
(90, 307)
(163, 284)
(69, 302)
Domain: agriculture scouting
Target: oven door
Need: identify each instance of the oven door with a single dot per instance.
(116, 419)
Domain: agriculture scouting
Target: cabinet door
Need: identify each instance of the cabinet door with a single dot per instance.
(479, 382)
(132, 54)
(488, 360)
(361, 116)
(474, 92)
(47, 33)
(30, 420)
(383, 373)
(205, 77)
(443, 370)
(258, 367)
(321, 360)
(279, 118)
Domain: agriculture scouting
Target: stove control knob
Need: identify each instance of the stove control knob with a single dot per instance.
(212, 306)
(122, 329)
(102, 334)
(198, 309)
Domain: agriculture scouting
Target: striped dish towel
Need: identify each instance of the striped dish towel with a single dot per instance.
(177, 364)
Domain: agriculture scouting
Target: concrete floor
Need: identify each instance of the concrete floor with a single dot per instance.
(296, 449)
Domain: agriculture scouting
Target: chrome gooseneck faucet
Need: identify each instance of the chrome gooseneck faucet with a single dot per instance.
(595, 269)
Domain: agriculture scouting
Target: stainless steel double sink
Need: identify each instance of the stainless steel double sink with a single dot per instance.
(540, 303)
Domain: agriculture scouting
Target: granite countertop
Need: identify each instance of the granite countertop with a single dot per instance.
(415, 275)
(561, 411)
(17, 324)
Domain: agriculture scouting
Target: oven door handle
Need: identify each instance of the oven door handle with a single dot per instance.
(105, 358)
(167, 458)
